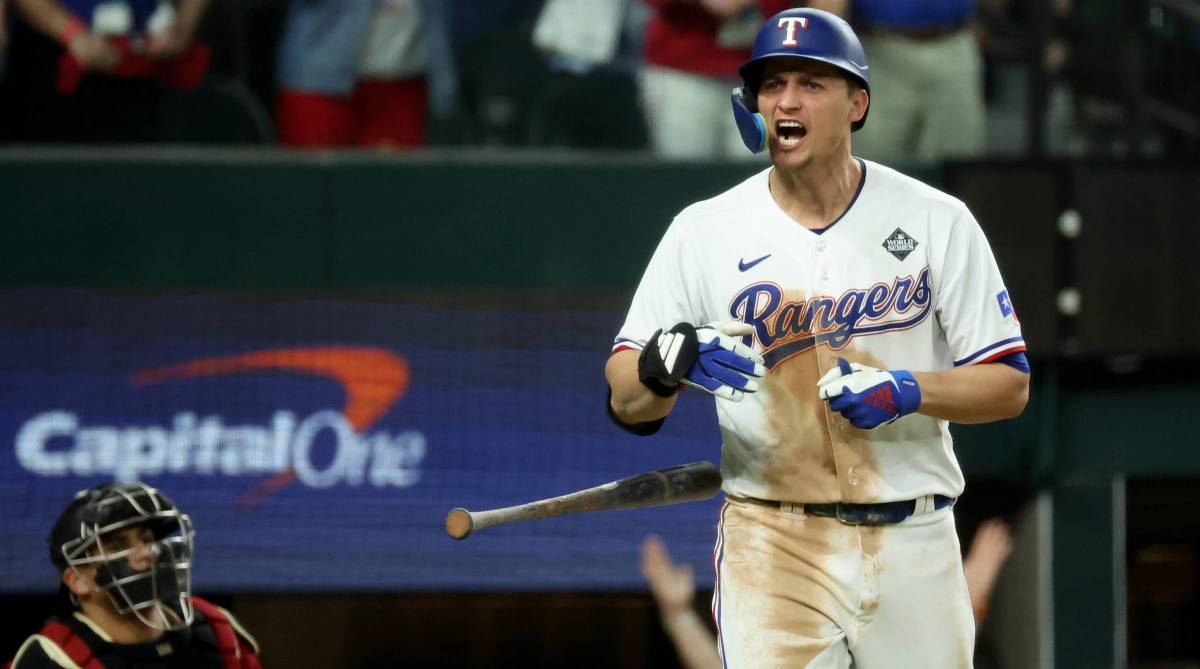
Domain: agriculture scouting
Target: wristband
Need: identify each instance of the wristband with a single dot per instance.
(659, 388)
(909, 399)
(74, 27)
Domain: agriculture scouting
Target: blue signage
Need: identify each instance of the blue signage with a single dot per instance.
(318, 445)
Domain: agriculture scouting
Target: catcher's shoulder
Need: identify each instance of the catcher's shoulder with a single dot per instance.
(40, 652)
(214, 614)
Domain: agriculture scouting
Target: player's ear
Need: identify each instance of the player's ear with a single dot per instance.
(859, 100)
(77, 583)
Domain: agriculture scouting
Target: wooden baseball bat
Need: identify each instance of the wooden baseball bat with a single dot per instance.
(685, 483)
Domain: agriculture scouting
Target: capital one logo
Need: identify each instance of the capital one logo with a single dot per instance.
(789, 23)
(55, 443)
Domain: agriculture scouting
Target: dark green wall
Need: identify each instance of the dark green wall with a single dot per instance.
(316, 223)
(268, 223)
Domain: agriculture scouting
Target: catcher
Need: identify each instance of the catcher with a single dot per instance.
(124, 552)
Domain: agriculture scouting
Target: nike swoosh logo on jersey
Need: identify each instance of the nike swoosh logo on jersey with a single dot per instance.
(743, 265)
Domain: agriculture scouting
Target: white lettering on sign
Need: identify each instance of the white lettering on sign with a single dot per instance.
(54, 443)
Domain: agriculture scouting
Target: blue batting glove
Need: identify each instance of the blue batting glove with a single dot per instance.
(725, 367)
(869, 397)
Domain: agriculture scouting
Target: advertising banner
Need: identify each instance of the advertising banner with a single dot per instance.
(319, 444)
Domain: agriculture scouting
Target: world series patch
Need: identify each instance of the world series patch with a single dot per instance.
(899, 244)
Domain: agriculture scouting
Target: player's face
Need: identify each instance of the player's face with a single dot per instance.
(808, 107)
(132, 542)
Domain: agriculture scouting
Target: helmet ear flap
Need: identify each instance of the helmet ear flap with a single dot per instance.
(750, 123)
(749, 95)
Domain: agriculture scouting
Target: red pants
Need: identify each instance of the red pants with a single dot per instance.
(378, 113)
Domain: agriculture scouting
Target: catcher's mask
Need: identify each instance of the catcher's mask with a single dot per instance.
(160, 594)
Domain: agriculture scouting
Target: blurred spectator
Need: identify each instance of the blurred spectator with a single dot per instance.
(1132, 72)
(1010, 51)
(692, 52)
(990, 548)
(926, 78)
(594, 55)
(582, 33)
(674, 590)
(105, 81)
(494, 96)
(352, 73)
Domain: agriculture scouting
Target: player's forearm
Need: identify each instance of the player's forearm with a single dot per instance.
(191, 12)
(694, 642)
(633, 402)
(48, 16)
(973, 394)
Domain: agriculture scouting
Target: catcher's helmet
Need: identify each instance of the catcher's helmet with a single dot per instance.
(811, 34)
(160, 596)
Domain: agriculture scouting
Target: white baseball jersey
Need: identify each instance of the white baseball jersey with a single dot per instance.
(905, 279)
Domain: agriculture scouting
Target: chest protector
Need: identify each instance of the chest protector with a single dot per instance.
(237, 651)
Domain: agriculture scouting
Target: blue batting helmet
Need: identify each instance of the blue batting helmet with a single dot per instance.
(811, 34)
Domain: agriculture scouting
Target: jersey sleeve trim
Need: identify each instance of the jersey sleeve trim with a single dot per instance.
(1016, 360)
(622, 344)
(993, 351)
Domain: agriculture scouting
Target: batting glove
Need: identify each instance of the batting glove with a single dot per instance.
(869, 397)
(711, 358)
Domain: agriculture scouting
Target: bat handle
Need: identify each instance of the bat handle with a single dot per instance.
(460, 522)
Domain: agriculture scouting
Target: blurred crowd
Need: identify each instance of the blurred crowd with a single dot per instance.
(950, 78)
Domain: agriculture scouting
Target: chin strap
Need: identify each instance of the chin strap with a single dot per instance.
(750, 124)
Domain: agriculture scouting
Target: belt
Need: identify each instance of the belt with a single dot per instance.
(886, 513)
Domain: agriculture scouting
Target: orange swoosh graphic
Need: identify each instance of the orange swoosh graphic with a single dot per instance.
(374, 379)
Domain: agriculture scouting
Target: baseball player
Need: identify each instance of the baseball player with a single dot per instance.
(124, 552)
(842, 314)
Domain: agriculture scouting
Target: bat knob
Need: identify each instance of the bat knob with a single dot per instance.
(459, 523)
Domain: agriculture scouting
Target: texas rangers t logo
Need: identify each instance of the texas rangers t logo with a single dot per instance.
(791, 22)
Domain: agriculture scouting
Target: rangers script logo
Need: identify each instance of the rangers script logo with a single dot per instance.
(786, 328)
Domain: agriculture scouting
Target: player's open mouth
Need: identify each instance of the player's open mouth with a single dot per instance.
(790, 133)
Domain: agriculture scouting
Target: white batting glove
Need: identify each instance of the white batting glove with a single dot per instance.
(869, 397)
(711, 358)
